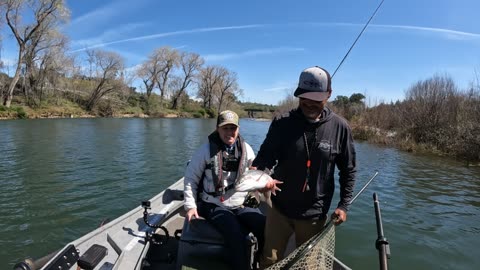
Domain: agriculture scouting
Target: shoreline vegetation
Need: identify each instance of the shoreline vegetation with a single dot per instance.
(49, 81)
(435, 118)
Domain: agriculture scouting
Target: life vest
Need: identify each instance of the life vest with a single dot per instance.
(218, 160)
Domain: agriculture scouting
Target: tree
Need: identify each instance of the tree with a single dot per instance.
(208, 79)
(227, 87)
(217, 85)
(169, 59)
(107, 67)
(191, 64)
(44, 62)
(356, 98)
(47, 14)
(341, 101)
(430, 108)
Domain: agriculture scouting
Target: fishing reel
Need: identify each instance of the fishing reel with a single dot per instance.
(153, 237)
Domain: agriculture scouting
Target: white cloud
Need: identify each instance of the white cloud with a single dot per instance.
(446, 33)
(256, 52)
(107, 35)
(104, 14)
(279, 88)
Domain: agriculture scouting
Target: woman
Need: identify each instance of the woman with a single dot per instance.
(210, 180)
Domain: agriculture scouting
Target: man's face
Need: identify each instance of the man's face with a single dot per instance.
(312, 109)
(228, 133)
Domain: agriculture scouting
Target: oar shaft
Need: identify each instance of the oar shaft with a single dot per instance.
(381, 243)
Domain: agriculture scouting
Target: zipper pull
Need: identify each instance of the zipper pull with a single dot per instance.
(306, 187)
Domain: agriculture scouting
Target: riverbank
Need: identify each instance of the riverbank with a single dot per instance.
(361, 132)
(402, 142)
(23, 112)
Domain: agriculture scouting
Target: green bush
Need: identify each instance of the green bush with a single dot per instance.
(211, 113)
(198, 114)
(21, 114)
(13, 112)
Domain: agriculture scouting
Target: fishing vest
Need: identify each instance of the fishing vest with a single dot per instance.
(218, 161)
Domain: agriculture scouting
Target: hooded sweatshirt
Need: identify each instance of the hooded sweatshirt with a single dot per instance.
(329, 143)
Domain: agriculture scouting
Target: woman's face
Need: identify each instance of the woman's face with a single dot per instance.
(228, 133)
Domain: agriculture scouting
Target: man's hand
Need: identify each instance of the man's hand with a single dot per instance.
(272, 186)
(192, 213)
(339, 216)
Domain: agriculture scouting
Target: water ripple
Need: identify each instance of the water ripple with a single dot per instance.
(61, 178)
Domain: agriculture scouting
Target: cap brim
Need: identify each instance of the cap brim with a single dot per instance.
(228, 123)
(317, 96)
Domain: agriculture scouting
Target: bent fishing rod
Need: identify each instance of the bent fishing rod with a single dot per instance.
(358, 37)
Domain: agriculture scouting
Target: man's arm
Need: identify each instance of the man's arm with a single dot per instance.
(346, 163)
(268, 154)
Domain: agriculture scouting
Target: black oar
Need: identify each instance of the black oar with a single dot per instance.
(381, 243)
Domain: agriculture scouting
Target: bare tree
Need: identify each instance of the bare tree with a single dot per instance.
(155, 72)
(107, 68)
(430, 108)
(68, 81)
(208, 80)
(190, 64)
(149, 72)
(287, 104)
(227, 88)
(43, 64)
(46, 13)
(169, 60)
(216, 85)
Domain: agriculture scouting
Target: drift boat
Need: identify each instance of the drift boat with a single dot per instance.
(152, 236)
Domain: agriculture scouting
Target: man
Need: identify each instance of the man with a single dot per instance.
(303, 149)
(211, 175)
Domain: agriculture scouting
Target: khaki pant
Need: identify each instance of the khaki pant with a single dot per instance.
(279, 228)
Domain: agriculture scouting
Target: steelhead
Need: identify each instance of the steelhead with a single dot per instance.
(253, 180)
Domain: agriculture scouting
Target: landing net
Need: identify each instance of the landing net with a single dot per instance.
(317, 253)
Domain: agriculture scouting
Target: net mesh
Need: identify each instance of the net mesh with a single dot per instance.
(316, 253)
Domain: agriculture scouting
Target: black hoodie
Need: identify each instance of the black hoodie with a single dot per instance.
(330, 143)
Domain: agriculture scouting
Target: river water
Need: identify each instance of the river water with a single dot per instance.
(60, 178)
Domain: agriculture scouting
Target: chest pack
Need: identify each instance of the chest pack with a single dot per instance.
(221, 160)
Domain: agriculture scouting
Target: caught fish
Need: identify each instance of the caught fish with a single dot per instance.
(254, 180)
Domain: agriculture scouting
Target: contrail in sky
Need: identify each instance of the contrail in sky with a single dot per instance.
(175, 33)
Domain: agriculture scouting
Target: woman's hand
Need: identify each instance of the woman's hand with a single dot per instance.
(192, 213)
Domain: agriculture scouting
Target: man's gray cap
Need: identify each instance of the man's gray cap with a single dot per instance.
(314, 83)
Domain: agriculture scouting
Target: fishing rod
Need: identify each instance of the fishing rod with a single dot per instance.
(364, 187)
(314, 240)
(381, 243)
(358, 37)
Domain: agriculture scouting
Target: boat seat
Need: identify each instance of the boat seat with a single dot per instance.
(201, 246)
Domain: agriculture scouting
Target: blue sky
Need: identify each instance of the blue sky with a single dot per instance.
(268, 43)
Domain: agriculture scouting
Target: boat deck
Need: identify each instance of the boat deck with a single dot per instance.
(165, 256)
